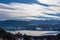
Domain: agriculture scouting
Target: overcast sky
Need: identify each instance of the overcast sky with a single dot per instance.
(30, 9)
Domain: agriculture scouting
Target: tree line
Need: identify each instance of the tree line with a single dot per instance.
(18, 36)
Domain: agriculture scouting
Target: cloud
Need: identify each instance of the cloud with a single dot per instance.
(16, 11)
(50, 2)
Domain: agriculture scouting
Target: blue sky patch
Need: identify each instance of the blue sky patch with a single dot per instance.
(23, 1)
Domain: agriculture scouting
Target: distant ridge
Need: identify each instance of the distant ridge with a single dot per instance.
(47, 25)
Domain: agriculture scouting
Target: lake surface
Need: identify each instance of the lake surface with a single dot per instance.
(35, 33)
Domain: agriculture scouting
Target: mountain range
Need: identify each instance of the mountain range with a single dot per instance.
(41, 25)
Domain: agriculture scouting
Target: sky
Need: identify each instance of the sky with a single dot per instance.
(30, 9)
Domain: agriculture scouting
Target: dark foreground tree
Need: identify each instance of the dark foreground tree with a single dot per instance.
(6, 35)
(58, 36)
(25, 37)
